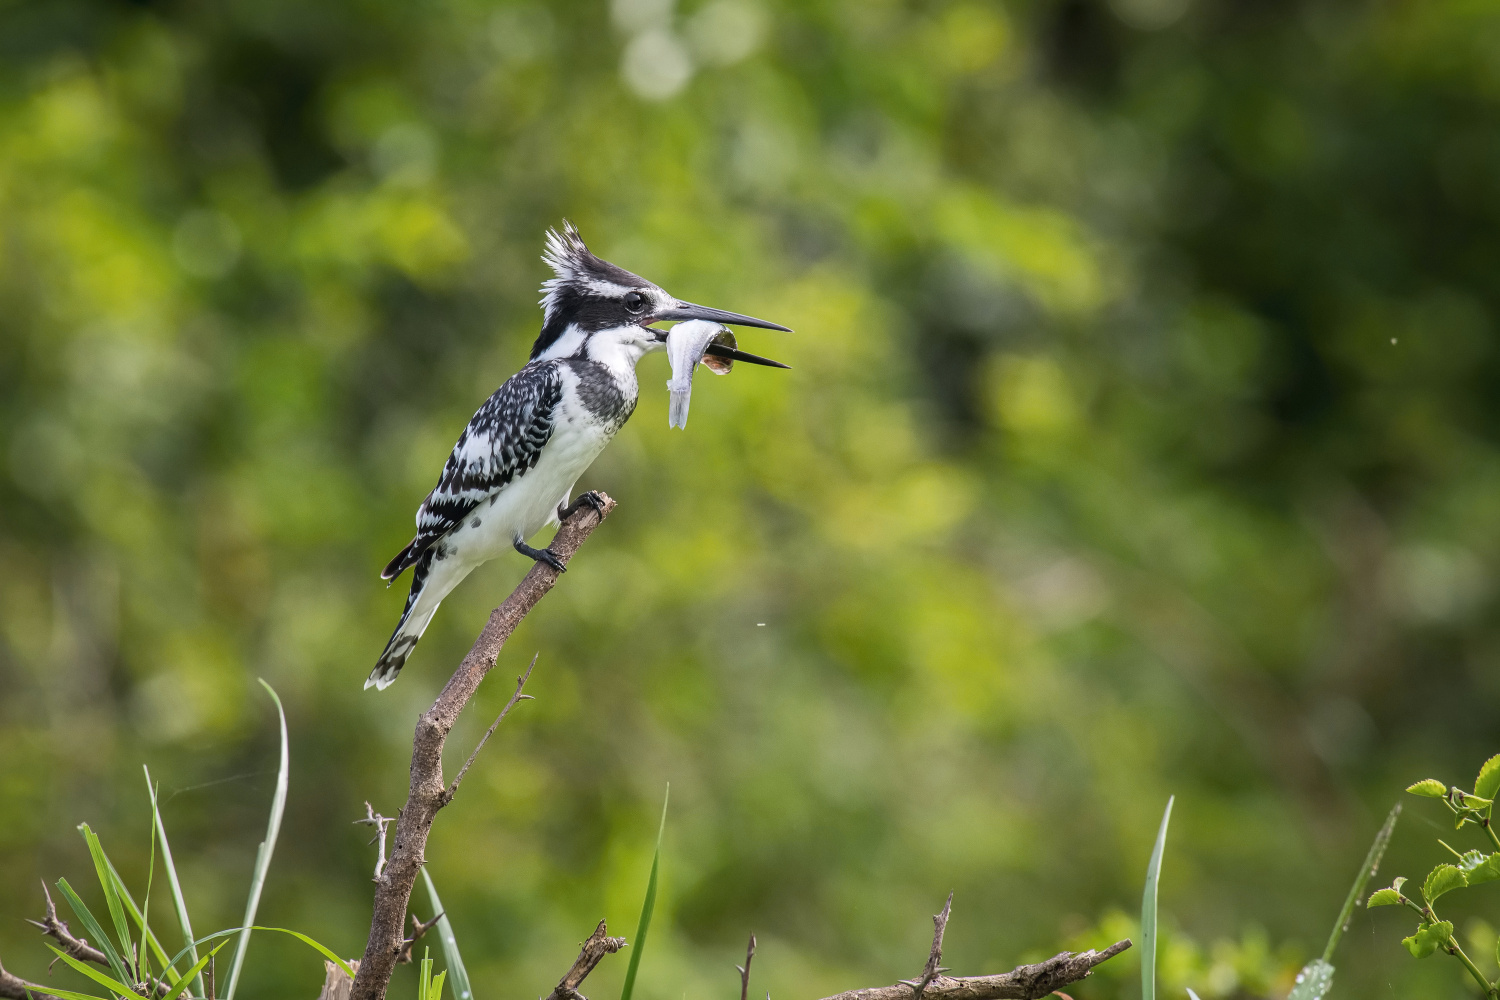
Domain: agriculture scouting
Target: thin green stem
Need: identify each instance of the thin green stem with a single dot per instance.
(1457, 951)
(1489, 829)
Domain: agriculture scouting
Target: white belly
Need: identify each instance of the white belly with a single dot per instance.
(529, 502)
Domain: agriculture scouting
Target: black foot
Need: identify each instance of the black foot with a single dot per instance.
(541, 555)
(592, 498)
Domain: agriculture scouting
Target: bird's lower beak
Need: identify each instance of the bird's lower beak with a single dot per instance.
(735, 354)
(686, 310)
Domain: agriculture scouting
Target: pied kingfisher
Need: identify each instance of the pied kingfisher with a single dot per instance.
(513, 469)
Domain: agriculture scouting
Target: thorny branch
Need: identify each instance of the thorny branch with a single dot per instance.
(745, 969)
(13, 987)
(518, 696)
(933, 969)
(76, 947)
(379, 822)
(428, 793)
(417, 930)
(1026, 982)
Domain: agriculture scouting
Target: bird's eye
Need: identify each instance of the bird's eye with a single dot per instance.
(635, 302)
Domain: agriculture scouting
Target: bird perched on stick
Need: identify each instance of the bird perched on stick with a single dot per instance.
(513, 469)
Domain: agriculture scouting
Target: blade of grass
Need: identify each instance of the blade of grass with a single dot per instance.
(116, 964)
(424, 978)
(263, 855)
(435, 991)
(187, 977)
(113, 985)
(111, 894)
(172, 880)
(319, 948)
(1316, 977)
(451, 958)
(647, 907)
(145, 920)
(128, 901)
(1148, 908)
(70, 995)
(1357, 890)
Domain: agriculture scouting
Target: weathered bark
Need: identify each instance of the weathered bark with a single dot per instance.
(1027, 982)
(428, 793)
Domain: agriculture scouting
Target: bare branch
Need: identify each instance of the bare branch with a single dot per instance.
(1027, 982)
(518, 696)
(428, 794)
(373, 818)
(56, 928)
(595, 948)
(745, 969)
(933, 969)
(15, 988)
(417, 930)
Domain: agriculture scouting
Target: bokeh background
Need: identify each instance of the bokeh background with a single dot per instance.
(1143, 438)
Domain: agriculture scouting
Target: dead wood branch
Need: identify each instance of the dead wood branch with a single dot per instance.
(56, 928)
(1027, 982)
(745, 969)
(933, 969)
(379, 822)
(428, 792)
(595, 948)
(336, 982)
(13, 987)
(417, 930)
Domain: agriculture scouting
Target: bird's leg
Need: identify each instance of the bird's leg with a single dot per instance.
(591, 497)
(541, 555)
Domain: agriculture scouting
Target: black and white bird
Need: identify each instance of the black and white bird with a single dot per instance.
(513, 469)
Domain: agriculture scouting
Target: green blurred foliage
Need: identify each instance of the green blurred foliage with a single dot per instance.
(1142, 438)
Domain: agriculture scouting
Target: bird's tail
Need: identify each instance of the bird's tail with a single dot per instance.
(423, 600)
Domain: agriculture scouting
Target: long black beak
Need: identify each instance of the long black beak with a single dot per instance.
(719, 351)
(686, 310)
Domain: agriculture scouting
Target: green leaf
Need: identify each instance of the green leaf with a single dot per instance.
(188, 976)
(319, 948)
(1313, 982)
(1488, 782)
(1429, 788)
(1148, 907)
(139, 917)
(263, 854)
(70, 995)
(113, 985)
(1361, 879)
(1471, 801)
(1487, 870)
(1398, 882)
(116, 964)
(424, 979)
(1427, 938)
(1442, 879)
(435, 992)
(455, 962)
(111, 894)
(1384, 897)
(181, 905)
(648, 906)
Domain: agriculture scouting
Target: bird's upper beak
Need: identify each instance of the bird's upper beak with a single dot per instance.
(680, 310)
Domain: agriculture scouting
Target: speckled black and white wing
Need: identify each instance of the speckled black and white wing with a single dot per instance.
(503, 441)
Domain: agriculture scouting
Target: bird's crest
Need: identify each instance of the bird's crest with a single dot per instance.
(577, 269)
